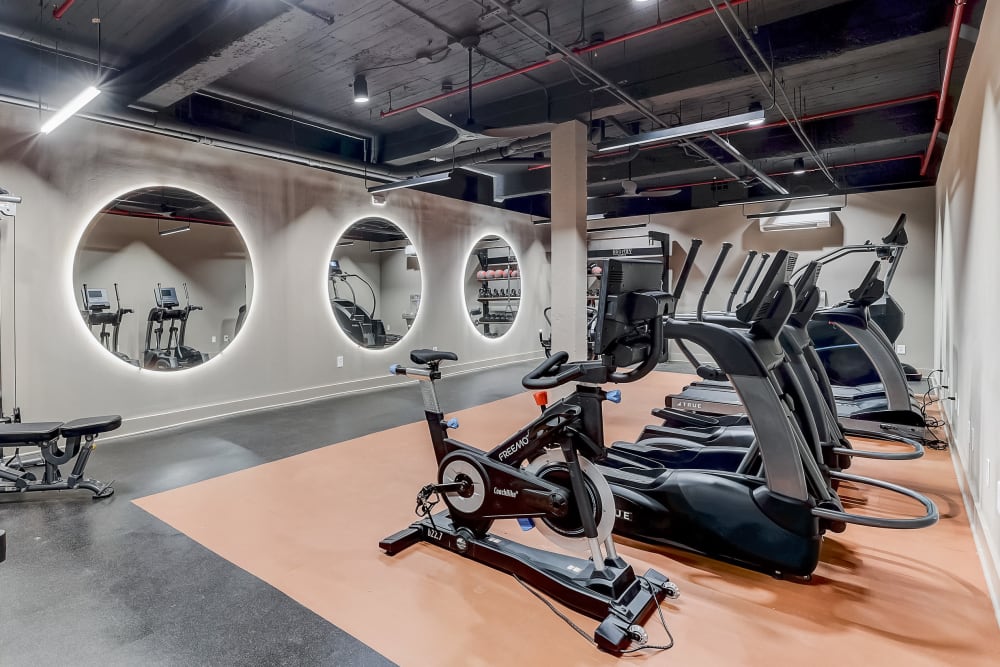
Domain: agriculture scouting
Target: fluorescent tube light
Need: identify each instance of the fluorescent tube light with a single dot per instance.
(411, 182)
(175, 230)
(613, 229)
(597, 216)
(71, 108)
(683, 131)
(769, 200)
(386, 249)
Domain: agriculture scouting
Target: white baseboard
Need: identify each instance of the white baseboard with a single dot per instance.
(158, 421)
(988, 556)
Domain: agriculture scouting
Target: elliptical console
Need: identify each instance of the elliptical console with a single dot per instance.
(543, 474)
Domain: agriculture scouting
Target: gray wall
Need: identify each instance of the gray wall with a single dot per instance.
(968, 272)
(290, 217)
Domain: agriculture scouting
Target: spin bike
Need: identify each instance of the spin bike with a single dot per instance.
(543, 477)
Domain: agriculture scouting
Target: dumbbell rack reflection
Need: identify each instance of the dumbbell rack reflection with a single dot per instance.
(500, 293)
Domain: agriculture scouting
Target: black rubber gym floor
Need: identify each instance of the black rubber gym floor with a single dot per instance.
(104, 583)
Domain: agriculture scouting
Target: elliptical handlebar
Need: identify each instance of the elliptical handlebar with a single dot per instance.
(747, 263)
(712, 277)
(686, 270)
(756, 276)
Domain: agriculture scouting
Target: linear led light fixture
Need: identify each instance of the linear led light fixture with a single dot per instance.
(771, 200)
(411, 182)
(175, 230)
(804, 211)
(71, 108)
(750, 118)
(614, 229)
(345, 243)
(386, 249)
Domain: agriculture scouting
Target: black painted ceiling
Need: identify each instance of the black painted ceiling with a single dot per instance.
(280, 71)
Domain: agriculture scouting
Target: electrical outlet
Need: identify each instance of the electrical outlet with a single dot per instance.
(900, 349)
(214, 339)
(435, 348)
(340, 362)
(225, 339)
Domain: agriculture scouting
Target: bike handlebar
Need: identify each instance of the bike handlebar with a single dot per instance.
(550, 374)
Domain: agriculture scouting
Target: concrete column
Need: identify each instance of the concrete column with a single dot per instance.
(569, 239)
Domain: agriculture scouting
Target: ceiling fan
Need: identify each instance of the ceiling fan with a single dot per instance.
(472, 131)
(631, 189)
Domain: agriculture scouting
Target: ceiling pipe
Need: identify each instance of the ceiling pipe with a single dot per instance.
(545, 63)
(782, 123)
(785, 173)
(58, 12)
(174, 218)
(604, 83)
(244, 144)
(949, 65)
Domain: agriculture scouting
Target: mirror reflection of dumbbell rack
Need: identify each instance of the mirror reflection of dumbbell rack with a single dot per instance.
(499, 295)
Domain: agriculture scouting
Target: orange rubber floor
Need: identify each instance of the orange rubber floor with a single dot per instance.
(309, 525)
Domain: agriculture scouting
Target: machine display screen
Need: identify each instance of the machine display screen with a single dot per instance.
(168, 297)
(335, 269)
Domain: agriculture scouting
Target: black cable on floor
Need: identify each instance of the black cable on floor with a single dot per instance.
(580, 631)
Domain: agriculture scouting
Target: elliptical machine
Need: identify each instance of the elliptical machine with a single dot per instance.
(175, 354)
(97, 312)
(543, 475)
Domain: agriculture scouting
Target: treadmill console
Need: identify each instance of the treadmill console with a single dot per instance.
(96, 299)
(166, 297)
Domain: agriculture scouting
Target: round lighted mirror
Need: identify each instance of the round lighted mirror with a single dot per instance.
(163, 279)
(492, 286)
(374, 283)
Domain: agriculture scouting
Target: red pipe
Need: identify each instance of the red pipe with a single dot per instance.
(912, 156)
(840, 112)
(136, 214)
(58, 12)
(782, 123)
(544, 63)
(949, 65)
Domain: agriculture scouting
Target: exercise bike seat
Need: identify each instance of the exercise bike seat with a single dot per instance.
(12, 434)
(79, 428)
(425, 357)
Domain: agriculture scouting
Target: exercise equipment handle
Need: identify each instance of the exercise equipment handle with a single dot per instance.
(747, 263)
(550, 373)
(756, 276)
(686, 270)
(929, 518)
(712, 277)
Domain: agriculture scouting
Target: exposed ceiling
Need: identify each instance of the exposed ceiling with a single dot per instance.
(862, 76)
(163, 203)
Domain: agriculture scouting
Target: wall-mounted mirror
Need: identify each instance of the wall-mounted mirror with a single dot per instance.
(492, 286)
(163, 279)
(374, 283)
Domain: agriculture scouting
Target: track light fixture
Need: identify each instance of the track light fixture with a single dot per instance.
(360, 89)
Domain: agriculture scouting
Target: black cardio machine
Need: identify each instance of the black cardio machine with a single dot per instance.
(770, 511)
(175, 354)
(97, 313)
(544, 475)
(694, 413)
